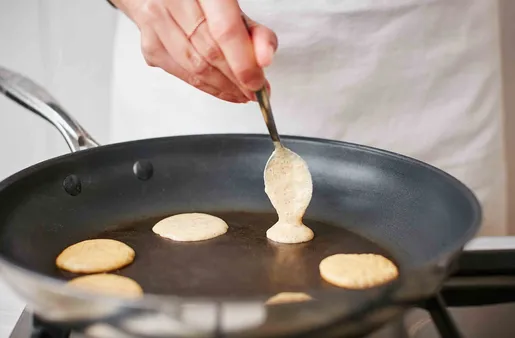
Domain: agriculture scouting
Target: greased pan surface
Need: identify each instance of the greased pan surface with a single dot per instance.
(411, 209)
(364, 200)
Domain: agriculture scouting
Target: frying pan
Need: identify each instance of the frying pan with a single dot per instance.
(364, 200)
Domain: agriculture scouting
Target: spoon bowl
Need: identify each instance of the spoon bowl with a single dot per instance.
(288, 184)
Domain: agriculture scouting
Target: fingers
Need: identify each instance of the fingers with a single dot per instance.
(190, 18)
(228, 30)
(184, 54)
(264, 41)
(209, 49)
(156, 55)
(206, 44)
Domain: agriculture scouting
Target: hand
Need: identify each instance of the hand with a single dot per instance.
(204, 43)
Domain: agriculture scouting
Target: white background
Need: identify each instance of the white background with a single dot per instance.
(78, 77)
(74, 64)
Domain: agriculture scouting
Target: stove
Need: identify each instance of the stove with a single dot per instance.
(482, 321)
(478, 301)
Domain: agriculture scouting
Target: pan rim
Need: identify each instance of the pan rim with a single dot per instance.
(443, 258)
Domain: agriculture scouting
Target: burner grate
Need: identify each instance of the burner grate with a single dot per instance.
(441, 318)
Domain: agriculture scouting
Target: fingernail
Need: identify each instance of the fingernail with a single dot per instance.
(270, 52)
(253, 79)
(248, 94)
(255, 84)
(268, 88)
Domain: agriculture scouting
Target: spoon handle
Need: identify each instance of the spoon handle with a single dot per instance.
(266, 110)
(264, 104)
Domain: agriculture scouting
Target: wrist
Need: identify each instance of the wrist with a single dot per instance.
(129, 7)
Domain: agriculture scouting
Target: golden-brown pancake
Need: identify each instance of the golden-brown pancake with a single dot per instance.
(357, 271)
(95, 255)
(109, 284)
(288, 297)
(190, 227)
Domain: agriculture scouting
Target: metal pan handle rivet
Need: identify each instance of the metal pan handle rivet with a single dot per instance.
(72, 185)
(143, 169)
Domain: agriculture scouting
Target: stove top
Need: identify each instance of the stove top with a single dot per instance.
(478, 301)
(483, 321)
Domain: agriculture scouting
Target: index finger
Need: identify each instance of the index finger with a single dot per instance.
(225, 22)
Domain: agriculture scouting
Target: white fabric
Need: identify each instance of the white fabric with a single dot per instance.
(418, 77)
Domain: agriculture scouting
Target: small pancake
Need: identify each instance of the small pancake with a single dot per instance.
(287, 233)
(190, 227)
(110, 284)
(95, 255)
(357, 271)
(288, 297)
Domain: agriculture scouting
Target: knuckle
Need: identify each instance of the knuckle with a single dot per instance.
(151, 53)
(148, 12)
(150, 62)
(195, 81)
(214, 54)
(199, 66)
(152, 8)
(202, 68)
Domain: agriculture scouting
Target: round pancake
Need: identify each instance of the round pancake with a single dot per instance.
(357, 271)
(190, 227)
(287, 233)
(108, 284)
(95, 255)
(288, 297)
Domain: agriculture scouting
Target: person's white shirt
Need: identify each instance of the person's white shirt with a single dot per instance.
(418, 77)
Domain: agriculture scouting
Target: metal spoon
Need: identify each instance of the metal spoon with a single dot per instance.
(266, 108)
(268, 116)
(295, 204)
(283, 155)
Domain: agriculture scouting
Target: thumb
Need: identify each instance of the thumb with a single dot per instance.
(264, 41)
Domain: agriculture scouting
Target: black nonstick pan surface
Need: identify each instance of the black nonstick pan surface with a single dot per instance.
(364, 200)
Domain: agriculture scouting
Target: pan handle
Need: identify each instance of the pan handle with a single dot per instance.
(35, 98)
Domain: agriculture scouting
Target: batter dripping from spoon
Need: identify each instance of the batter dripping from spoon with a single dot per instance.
(289, 187)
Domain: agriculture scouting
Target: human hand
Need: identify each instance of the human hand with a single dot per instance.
(204, 43)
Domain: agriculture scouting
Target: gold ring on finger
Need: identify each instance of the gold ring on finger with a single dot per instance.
(199, 22)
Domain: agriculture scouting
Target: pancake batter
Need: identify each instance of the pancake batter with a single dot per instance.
(289, 186)
(357, 271)
(190, 227)
(108, 284)
(95, 255)
(288, 297)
